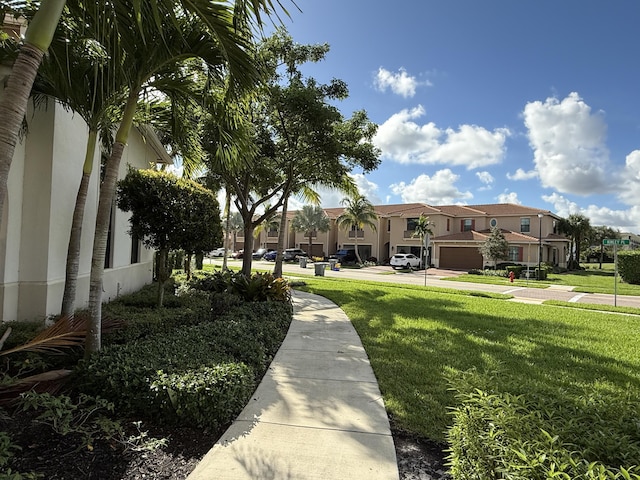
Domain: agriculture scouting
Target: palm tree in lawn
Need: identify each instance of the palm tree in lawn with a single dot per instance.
(423, 231)
(576, 226)
(148, 54)
(310, 219)
(358, 213)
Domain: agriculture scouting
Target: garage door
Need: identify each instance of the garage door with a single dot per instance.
(460, 258)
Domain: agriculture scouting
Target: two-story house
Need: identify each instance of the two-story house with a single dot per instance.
(458, 231)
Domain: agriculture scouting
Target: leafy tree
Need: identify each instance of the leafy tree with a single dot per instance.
(597, 234)
(169, 213)
(576, 226)
(423, 230)
(309, 220)
(302, 140)
(495, 247)
(358, 213)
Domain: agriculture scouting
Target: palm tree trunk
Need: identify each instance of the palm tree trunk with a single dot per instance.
(277, 269)
(356, 246)
(15, 97)
(227, 210)
(248, 247)
(107, 191)
(73, 251)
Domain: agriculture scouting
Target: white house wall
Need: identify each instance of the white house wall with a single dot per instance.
(43, 184)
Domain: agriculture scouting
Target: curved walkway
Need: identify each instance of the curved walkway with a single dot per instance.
(317, 414)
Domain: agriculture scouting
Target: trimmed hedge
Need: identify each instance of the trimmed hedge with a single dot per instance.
(200, 375)
(629, 266)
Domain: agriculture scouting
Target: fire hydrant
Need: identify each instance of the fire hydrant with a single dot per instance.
(512, 275)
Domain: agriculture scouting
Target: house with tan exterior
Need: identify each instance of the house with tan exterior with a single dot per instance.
(458, 231)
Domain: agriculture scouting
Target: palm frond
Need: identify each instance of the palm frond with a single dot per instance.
(67, 332)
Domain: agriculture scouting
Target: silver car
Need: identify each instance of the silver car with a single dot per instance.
(405, 260)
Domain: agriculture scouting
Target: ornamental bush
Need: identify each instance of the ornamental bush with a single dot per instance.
(507, 436)
(629, 266)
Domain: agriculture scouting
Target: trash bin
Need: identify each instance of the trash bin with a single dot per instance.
(320, 266)
(303, 262)
(332, 263)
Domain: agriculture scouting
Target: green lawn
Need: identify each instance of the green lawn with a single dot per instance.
(420, 342)
(591, 280)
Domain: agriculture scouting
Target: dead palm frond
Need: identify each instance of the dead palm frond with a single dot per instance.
(67, 332)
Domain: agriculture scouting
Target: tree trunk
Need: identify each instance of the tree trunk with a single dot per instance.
(356, 247)
(163, 274)
(225, 242)
(187, 265)
(73, 252)
(277, 269)
(248, 247)
(107, 191)
(15, 97)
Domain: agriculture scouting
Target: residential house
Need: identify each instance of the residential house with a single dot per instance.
(36, 221)
(458, 231)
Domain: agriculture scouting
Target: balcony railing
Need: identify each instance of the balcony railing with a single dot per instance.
(272, 234)
(352, 234)
(409, 234)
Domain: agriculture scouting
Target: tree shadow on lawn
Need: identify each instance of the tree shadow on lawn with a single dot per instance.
(555, 356)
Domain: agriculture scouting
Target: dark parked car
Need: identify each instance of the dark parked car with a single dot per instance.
(270, 255)
(260, 253)
(346, 255)
(292, 254)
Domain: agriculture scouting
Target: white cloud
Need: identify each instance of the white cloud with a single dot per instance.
(331, 198)
(509, 197)
(400, 82)
(522, 175)
(439, 189)
(568, 141)
(404, 141)
(487, 179)
(624, 220)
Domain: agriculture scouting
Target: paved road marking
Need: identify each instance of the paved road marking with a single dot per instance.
(576, 298)
(514, 290)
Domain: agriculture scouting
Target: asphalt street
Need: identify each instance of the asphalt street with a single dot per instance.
(437, 278)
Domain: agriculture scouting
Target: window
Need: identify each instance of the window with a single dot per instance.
(525, 225)
(448, 224)
(493, 222)
(135, 249)
(467, 225)
(412, 223)
(514, 254)
(389, 225)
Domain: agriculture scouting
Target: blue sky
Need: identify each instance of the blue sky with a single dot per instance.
(529, 102)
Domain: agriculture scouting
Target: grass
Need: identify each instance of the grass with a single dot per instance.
(591, 280)
(421, 342)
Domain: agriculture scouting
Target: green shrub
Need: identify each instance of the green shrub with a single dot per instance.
(130, 375)
(516, 269)
(208, 396)
(260, 287)
(506, 436)
(629, 266)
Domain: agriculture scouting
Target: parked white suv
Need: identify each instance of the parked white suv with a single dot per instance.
(405, 260)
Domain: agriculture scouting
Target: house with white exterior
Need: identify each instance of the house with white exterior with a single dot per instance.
(36, 222)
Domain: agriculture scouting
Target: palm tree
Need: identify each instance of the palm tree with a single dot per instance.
(210, 36)
(576, 226)
(358, 213)
(221, 20)
(76, 73)
(13, 103)
(423, 230)
(310, 220)
(234, 224)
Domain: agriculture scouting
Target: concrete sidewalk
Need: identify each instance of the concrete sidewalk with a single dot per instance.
(317, 414)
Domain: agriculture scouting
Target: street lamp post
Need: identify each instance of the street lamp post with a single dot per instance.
(539, 244)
